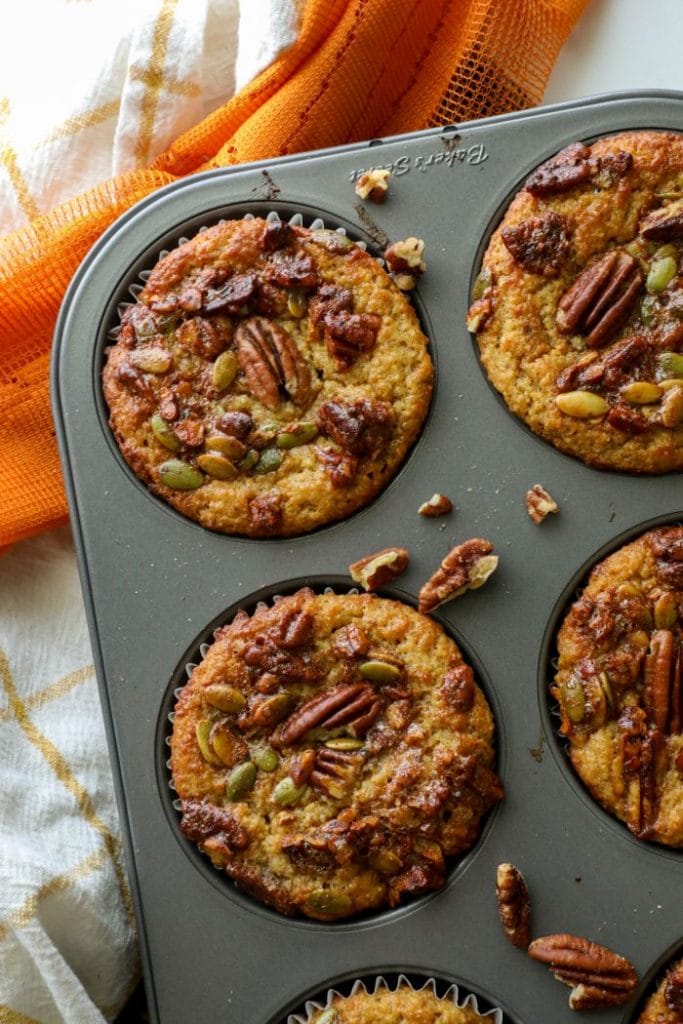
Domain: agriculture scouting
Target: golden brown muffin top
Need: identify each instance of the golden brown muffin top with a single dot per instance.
(403, 1006)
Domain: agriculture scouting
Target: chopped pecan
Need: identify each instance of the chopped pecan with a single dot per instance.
(308, 854)
(570, 167)
(168, 406)
(416, 879)
(373, 185)
(190, 432)
(265, 512)
(599, 301)
(340, 467)
(277, 234)
(663, 225)
(265, 655)
(512, 898)
(657, 674)
(352, 705)
(373, 571)
(587, 372)
(406, 258)
(297, 271)
(466, 567)
(202, 820)
(336, 770)
(270, 359)
(667, 547)
(128, 374)
(458, 688)
(676, 712)
(673, 990)
(236, 424)
(539, 503)
(294, 628)
(598, 976)
(330, 298)
(632, 728)
(350, 642)
(480, 312)
(231, 296)
(349, 335)
(301, 766)
(438, 505)
(362, 427)
(608, 169)
(627, 420)
(540, 245)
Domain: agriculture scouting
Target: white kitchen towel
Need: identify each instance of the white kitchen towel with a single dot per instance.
(87, 88)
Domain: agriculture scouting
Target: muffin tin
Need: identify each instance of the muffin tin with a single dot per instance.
(155, 584)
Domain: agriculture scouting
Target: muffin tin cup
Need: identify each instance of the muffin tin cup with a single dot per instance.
(153, 582)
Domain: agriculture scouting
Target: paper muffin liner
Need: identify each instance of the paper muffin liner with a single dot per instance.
(452, 995)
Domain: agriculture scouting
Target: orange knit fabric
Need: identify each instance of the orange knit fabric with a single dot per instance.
(359, 69)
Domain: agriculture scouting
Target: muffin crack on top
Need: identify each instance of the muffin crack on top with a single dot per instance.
(269, 379)
(620, 685)
(578, 308)
(331, 751)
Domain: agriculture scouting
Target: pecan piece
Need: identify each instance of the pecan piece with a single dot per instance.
(308, 854)
(202, 820)
(382, 567)
(373, 185)
(638, 748)
(663, 225)
(657, 673)
(405, 260)
(627, 420)
(349, 335)
(353, 705)
(539, 503)
(277, 234)
(232, 295)
(466, 567)
(438, 505)
(336, 770)
(598, 976)
(350, 642)
(570, 167)
(265, 512)
(458, 687)
(362, 427)
(270, 360)
(190, 432)
(236, 424)
(599, 301)
(512, 898)
(540, 245)
(330, 298)
(297, 271)
(673, 990)
(340, 467)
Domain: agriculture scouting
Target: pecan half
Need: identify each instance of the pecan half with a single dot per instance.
(540, 245)
(270, 360)
(598, 976)
(438, 505)
(336, 770)
(570, 167)
(638, 748)
(663, 225)
(382, 567)
(362, 427)
(512, 898)
(231, 296)
(352, 705)
(657, 673)
(539, 503)
(465, 567)
(350, 642)
(599, 301)
(265, 512)
(673, 990)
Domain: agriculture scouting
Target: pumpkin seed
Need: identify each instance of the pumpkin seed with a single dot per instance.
(344, 743)
(666, 251)
(226, 747)
(225, 698)
(273, 709)
(642, 392)
(482, 281)
(180, 476)
(379, 671)
(648, 309)
(581, 405)
(385, 861)
(270, 460)
(671, 382)
(240, 780)
(332, 240)
(152, 359)
(670, 364)
(164, 434)
(302, 433)
(296, 303)
(224, 370)
(249, 461)
(662, 271)
(217, 466)
(325, 901)
(606, 688)
(202, 733)
(672, 407)
(287, 793)
(666, 611)
(328, 1017)
(573, 699)
(228, 446)
(265, 758)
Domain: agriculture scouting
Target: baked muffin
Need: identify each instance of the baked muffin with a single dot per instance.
(269, 379)
(578, 309)
(402, 1006)
(665, 1006)
(331, 751)
(619, 685)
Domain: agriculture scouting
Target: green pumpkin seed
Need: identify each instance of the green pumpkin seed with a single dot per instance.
(249, 461)
(265, 758)
(670, 364)
(325, 901)
(581, 405)
(662, 271)
(648, 310)
(224, 370)
(180, 476)
(344, 743)
(286, 793)
(331, 239)
(164, 434)
(270, 460)
(240, 780)
(225, 698)
(302, 433)
(667, 251)
(328, 1017)
(379, 671)
(666, 611)
(606, 688)
(152, 359)
(296, 303)
(228, 446)
(273, 709)
(227, 747)
(202, 733)
(217, 466)
(482, 281)
(642, 392)
(385, 861)
(573, 699)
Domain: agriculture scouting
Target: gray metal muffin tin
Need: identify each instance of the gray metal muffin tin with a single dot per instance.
(154, 583)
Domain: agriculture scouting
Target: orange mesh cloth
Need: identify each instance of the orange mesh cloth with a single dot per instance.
(359, 69)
